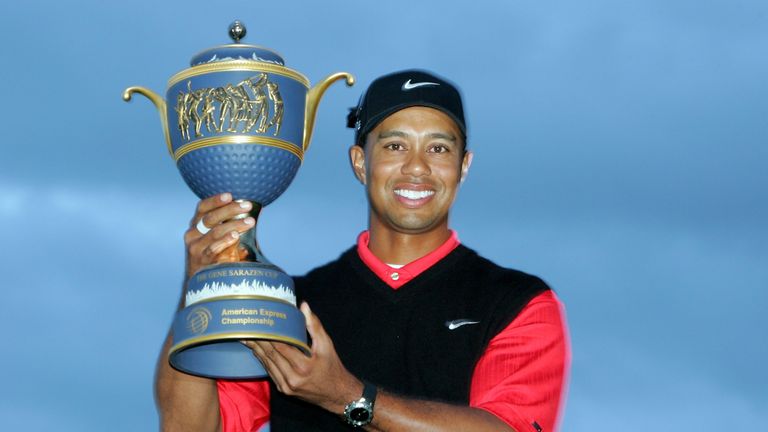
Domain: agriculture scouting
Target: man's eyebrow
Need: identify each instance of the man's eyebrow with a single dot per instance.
(401, 134)
(392, 133)
(441, 135)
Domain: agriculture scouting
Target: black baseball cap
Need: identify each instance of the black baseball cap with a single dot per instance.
(391, 93)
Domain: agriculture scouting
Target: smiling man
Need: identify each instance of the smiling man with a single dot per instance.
(410, 329)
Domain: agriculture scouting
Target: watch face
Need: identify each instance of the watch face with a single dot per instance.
(359, 414)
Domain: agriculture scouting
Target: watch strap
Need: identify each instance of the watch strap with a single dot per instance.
(369, 392)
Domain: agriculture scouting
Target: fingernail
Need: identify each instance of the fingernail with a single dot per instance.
(249, 221)
(234, 234)
(226, 196)
(245, 204)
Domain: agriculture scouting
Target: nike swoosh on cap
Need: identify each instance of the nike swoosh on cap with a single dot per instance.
(408, 85)
(453, 325)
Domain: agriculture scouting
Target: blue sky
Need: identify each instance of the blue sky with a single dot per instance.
(620, 154)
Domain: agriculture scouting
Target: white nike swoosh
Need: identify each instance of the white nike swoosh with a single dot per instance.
(408, 85)
(453, 325)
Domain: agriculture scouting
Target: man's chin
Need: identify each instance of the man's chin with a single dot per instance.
(414, 225)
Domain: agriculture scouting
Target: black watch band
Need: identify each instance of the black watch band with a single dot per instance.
(359, 412)
(369, 392)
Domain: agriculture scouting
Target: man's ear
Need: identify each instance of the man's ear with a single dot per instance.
(465, 164)
(357, 160)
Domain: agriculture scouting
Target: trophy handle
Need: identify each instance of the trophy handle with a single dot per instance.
(159, 103)
(313, 100)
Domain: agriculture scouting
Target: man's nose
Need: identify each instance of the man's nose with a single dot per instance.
(416, 165)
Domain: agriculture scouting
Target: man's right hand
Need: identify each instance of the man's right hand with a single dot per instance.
(220, 244)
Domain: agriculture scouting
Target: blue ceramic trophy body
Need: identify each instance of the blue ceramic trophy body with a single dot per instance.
(237, 121)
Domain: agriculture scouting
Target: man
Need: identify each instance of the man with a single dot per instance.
(410, 329)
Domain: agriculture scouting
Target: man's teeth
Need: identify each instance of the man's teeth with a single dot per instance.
(414, 195)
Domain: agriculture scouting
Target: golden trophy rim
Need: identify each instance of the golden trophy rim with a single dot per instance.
(234, 66)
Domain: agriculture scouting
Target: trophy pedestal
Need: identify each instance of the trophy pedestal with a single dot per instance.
(227, 303)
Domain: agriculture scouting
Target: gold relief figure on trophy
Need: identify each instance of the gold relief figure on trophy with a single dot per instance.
(243, 106)
(261, 102)
(196, 97)
(277, 103)
(224, 105)
(208, 109)
(236, 103)
(228, 108)
(181, 111)
(257, 105)
(184, 115)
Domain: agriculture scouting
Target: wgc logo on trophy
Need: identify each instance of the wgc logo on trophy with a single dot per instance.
(237, 121)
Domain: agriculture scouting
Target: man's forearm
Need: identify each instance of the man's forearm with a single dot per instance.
(188, 403)
(185, 402)
(393, 413)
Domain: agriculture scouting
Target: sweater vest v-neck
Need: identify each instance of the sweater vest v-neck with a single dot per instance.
(421, 340)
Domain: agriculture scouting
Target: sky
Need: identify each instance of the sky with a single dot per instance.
(620, 153)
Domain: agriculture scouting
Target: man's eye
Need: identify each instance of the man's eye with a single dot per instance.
(394, 146)
(438, 149)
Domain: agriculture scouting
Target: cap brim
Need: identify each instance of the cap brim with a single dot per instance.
(378, 118)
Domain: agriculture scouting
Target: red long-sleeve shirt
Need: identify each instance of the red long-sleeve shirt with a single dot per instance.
(520, 378)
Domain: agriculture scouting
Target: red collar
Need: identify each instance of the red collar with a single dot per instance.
(396, 278)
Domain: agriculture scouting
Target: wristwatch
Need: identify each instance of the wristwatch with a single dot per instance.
(359, 412)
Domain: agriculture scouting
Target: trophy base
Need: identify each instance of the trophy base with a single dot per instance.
(228, 303)
(206, 336)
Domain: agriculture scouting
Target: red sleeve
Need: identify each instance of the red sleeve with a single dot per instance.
(521, 376)
(244, 405)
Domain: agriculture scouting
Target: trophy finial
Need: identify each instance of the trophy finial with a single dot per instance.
(237, 31)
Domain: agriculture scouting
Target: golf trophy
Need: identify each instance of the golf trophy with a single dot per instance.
(238, 120)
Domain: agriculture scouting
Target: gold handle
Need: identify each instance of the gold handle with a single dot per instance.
(159, 103)
(313, 99)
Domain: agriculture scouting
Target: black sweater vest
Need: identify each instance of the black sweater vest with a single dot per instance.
(402, 340)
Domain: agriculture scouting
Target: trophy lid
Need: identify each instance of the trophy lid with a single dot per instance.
(237, 51)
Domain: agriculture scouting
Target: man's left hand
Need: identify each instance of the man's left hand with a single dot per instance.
(319, 378)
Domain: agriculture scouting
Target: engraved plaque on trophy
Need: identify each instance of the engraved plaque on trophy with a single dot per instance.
(239, 121)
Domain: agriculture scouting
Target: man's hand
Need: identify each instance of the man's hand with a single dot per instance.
(220, 244)
(320, 378)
